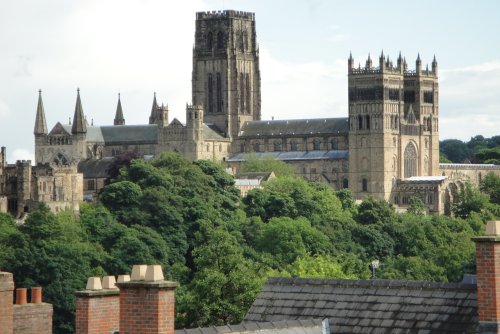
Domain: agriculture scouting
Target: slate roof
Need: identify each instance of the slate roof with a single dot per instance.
(212, 132)
(295, 127)
(95, 168)
(309, 326)
(293, 155)
(121, 134)
(370, 306)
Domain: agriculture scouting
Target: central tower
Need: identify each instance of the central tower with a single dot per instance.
(226, 75)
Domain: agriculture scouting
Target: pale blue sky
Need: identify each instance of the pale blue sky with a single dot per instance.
(138, 47)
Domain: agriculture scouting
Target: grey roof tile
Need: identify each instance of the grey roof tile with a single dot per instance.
(367, 306)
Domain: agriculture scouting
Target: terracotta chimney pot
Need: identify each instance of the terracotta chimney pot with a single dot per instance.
(36, 295)
(21, 296)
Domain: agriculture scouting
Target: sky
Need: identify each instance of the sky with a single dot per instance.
(138, 47)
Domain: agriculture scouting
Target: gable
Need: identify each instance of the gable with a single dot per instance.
(59, 129)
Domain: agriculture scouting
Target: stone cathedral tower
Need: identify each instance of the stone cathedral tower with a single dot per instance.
(226, 76)
(393, 120)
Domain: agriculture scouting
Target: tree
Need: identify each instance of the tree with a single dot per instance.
(224, 286)
(286, 239)
(455, 150)
(469, 199)
(491, 186)
(416, 207)
(268, 163)
(321, 266)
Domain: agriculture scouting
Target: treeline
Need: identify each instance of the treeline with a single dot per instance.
(189, 217)
(478, 150)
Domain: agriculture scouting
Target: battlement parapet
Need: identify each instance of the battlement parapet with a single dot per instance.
(194, 107)
(225, 14)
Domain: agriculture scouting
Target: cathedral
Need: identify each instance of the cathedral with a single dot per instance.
(386, 147)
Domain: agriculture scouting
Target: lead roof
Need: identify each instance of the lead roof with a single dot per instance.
(318, 126)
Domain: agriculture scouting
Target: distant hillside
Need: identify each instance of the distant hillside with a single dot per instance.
(478, 150)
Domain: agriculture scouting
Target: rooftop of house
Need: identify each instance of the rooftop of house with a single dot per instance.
(308, 326)
(370, 306)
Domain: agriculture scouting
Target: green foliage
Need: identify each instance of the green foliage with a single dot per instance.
(324, 266)
(416, 207)
(266, 164)
(224, 285)
(454, 150)
(286, 239)
(469, 199)
(477, 150)
(491, 186)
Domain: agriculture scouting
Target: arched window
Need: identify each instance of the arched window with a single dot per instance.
(334, 144)
(345, 183)
(316, 144)
(60, 159)
(242, 148)
(360, 122)
(220, 40)
(219, 93)
(367, 122)
(364, 184)
(410, 164)
(293, 146)
(277, 146)
(256, 147)
(209, 40)
(210, 93)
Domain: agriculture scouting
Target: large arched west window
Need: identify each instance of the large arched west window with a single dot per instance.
(411, 167)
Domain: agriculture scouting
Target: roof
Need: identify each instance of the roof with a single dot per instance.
(260, 176)
(95, 168)
(293, 155)
(370, 306)
(211, 132)
(475, 166)
(309, 326)
(130, 134)
(425, 179)
(295, 127)
(246, 182)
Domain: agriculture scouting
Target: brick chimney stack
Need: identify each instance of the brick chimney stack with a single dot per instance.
(147, 302)
(488, 278)
(6, 306)
(98, 307)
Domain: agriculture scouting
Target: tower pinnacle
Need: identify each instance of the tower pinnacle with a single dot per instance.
(79, 123)
(119, 120)
(40, 122)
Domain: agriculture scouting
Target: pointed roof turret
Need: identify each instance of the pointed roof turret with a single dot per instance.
(119, 120)
(418, 58)
(79, 122)
(40, 122)
(154, 111)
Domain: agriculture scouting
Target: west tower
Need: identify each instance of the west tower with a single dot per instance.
(393, 125)
(226, 75)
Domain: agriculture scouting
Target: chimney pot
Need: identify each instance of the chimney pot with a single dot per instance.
(138, 272)
(36, 295)
(21, 296)
(94, 283)
(154, 273)
(493, 227)
(123, 278)
(109, 282)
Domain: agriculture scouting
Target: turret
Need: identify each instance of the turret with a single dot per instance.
(381, 61)
(369, 63)
(418, 65)
(159, 115)
(350, 63)
(40, 122)
(154, 111)
(194, 121)
(119, 120)
(434, 66)
(79, 122)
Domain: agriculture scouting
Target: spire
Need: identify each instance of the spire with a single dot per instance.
(418, 58)
(350, 62)
(434, 66)
(40, 123)
(119, 120)
(154, 111)
(79, 122)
